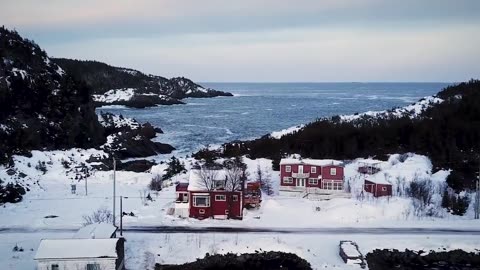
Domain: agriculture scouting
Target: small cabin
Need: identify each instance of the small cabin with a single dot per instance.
(377, 187)
(89, 254)
(369, 166)
(214, 202)
(253, 195)
(181, 200)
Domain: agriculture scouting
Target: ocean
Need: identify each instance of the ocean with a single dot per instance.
(261, 108)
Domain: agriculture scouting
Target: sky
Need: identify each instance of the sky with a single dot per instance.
(262, 40)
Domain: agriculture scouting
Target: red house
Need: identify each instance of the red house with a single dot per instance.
(377, 187)
(218, 202)
(298, 176)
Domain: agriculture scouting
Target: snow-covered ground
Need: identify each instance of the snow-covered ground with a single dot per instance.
(51, 196)
(144, 250)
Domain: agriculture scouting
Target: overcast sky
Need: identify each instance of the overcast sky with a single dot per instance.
(255, 40)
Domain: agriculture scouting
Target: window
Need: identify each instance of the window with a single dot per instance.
(337, 186)
(333, 171)
(93, 266)
(288, 180)
(201, 201)
(313, 181)
(288, 168)
(219, 184)
(185, 197)
(55, 267)
(201, 211)
(384, 188)
(219, 197)
(235, 198)
(313, 169)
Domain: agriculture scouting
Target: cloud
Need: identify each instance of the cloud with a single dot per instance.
(264, 40)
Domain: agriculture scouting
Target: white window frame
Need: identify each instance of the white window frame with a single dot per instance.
(287, 180)
(218, 198)
(337, 186)
(313, 169)
(313, 181)
(235, 198)
(333, 171)
(288, 168)
(207, 200)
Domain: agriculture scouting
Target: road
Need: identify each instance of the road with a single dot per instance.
(264, 230)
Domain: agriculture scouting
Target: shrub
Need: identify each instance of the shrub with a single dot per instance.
(156, 183)
(41, 166)
(102, 215)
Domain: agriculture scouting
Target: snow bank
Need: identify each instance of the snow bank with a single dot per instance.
(414, 110)
(113, 95)
(279, 134)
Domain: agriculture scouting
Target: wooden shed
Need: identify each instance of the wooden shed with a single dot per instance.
(377, 187)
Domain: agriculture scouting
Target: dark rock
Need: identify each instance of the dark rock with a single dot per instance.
(408, 259)
(264, 260)
(137, 165)
(11, 171)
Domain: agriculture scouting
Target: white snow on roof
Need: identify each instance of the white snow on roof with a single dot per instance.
(279, 134)
(307, 161)
(378, 179)
(195, 182)
(77, 248)
(369, 161)
(95, 231)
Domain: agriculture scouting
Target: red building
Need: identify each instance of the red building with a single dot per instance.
(377, 187)
(195, 200)
(252, 196)
(310, 176)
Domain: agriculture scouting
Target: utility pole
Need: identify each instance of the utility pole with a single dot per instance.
(477, 194)
(114, 191)
(121, 216)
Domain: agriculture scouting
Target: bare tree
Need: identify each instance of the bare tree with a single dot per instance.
(265, 179)
(236, 175)
(207, 175)
(102, 215)
(235, 170)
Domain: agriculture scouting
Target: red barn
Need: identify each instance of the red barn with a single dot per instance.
(310, 176)
(377, 187)
(214, 203)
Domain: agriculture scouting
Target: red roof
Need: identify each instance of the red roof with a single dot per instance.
(181, 187)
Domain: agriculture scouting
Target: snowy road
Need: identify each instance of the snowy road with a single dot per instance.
(264, 230)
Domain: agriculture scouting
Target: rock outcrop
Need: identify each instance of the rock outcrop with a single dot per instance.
(132, 88)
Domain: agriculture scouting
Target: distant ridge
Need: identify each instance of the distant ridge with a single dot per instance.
(124, 86)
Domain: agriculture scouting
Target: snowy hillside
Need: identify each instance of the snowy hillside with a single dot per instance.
(129, 87)
(414, 110)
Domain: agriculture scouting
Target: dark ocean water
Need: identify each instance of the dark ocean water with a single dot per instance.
(260, 108)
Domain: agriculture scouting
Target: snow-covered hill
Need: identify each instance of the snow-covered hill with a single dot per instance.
(129, 87)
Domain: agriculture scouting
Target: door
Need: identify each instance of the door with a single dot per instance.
(301, 182)
(300, 169)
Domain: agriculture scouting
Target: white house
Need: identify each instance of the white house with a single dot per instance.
(85, 254)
